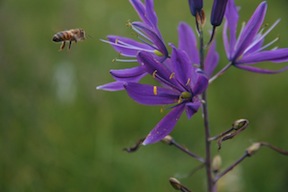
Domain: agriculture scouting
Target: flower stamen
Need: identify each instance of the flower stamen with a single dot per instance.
(155, 90)
(172, 75)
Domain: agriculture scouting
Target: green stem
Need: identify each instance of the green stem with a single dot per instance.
(210, 182)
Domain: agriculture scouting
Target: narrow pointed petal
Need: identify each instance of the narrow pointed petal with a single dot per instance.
(211, 60)
(126, 46)
(192, 108)
(152, 36)
(130, 74)
(259, 70)
(151, 95)
(146, 12)
(277, 56)
(181, 66)
(113, 86)
(151, 14)
(165, 126)
(251, 29)
(139, 7)
(201, 84)
(232, 16)
(188, 42)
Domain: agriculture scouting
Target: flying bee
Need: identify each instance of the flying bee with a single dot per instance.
(69, 36)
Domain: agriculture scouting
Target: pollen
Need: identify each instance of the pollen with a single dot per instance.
(155, 90)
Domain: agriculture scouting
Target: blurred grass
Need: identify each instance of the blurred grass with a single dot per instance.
(57, 133)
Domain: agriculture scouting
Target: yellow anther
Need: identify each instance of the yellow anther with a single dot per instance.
(116, 41)
(172, 75)
(154, 74)
(188, 81)
(155, 90)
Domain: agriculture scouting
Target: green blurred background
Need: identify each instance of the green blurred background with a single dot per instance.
(57, 133)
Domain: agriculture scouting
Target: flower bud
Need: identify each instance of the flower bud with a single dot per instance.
(175, 183)
(195, 6)
(218, 10)
(240, 123)
(253, 149)
(167, 139)
(216, 163)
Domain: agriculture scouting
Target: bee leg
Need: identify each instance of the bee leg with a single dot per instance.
(62, 46)
(70, 43)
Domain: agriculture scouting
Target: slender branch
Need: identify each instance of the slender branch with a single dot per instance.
(220, 72)
(170, 141)
(277, 149)
(218, 176)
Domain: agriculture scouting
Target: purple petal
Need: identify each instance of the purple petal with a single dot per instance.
(126, 46)
(158, 70)
(151, 14)
(211, 60)
(151, 95)
(146, 13)
(131, 75)
(192, 108)
(277, 56)
(152, 36)
(181, 66)
(188, 42)
(201, 84)
(259, 70)
(231, 15)
(113, 86)
(165, 126)
(251, 29)
(139, 7)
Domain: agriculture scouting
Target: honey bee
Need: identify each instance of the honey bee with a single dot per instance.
(69, 36)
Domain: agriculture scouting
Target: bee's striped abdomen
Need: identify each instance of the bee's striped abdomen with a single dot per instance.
(62, 36)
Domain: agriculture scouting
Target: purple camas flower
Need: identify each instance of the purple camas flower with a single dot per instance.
(181, 85)
(150, 40)
(248, 49)
(147, 32)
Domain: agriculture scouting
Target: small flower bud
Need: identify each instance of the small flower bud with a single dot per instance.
(216, 163)
(195, 6)
(218, 10)
(175, 183)
(167, 139)
(240, 123)
(253, 148)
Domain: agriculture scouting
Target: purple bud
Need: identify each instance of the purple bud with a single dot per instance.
(195, 6)
(218, 11)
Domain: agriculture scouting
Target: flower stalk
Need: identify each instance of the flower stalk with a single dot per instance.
(206, 119)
